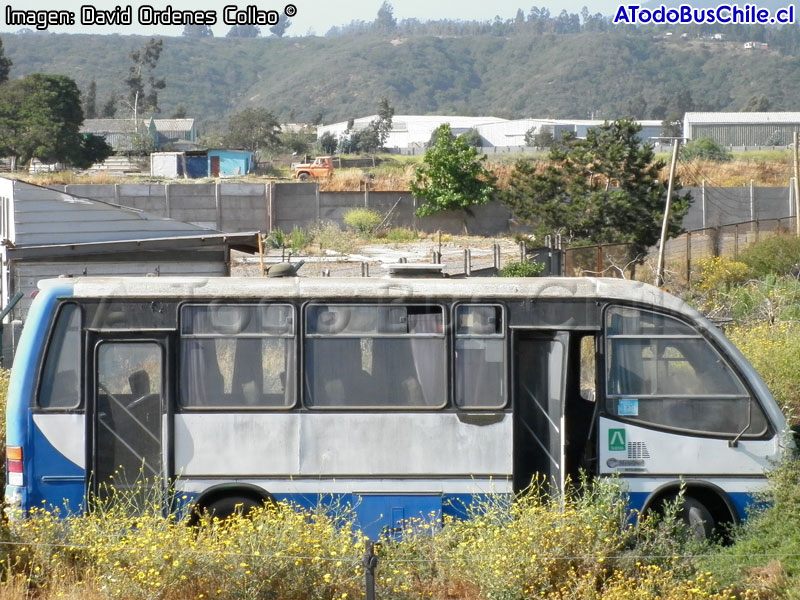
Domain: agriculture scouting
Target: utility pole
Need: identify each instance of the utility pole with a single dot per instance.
(665, 224)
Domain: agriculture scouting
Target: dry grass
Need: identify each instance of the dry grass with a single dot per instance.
(765, 168)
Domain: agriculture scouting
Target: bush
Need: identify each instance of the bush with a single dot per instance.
(364, 220)
(705, 148)
(328, 236)
(299, 238)
(774, 351)
(777, 255)
(525, 268)
(716, 274)
(764, 563)
(401, 234)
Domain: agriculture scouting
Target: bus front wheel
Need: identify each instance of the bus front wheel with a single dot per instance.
(698, 518)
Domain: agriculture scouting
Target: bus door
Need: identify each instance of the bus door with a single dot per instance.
(128, 411)
(540, 375)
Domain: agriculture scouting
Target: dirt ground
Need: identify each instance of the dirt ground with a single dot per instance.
(375, 256)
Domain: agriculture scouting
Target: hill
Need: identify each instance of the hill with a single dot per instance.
(511, 73)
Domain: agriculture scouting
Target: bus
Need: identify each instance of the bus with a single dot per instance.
(402, 397)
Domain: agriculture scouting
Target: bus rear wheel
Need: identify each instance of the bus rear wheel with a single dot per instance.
(225, 507)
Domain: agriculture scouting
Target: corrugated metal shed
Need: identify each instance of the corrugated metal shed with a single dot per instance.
(46, 232)
(742, 128)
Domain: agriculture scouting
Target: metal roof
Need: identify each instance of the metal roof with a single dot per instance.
(48, 218)
(737, 118)
(173, 125)
(379, 288)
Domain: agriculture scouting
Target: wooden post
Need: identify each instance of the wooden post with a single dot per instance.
(689, 259)
(796, 188)
(665, 224)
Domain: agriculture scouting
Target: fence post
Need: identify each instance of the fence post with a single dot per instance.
(370, 563)
(598, 260)
(736, 241)
(689, 259)
(467, 262)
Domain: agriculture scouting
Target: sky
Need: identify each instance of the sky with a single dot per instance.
(312, 16)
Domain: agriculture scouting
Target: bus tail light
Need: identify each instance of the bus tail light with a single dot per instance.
(14, 465)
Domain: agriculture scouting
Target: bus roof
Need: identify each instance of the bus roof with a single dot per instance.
(476, 288)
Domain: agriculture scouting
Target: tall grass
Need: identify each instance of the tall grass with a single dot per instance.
(541, 545)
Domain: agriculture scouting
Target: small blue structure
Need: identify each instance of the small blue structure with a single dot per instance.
(226, 163)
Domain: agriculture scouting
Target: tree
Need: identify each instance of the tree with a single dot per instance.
(383, 124)
(328, 142)
(243, 31)
(253, 129)
(197, 31)
(758, 103)
(40, 117)
(90, 103)
(385, 21)
(109, 108)
(5, 64)
(281, 26)
(452, 177)
(142, 85)
(599, 190)
(705, 148)
(180, 112)
(472, 138)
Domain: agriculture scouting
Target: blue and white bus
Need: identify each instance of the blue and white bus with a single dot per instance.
(403, 397)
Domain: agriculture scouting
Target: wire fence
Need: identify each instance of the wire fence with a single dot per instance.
(681, 253)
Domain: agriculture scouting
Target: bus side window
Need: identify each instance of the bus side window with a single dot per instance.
(61, 375)
(480, 357)
(237, 355)
(663, 372)
(375, 356)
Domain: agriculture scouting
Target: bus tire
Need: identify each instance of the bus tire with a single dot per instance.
(225, 507)
(698, 518)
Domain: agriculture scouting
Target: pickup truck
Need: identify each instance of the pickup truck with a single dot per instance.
(321, 167)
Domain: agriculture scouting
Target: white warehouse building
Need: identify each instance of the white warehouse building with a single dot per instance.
(414, 131)
(411, 131)
(512, 133)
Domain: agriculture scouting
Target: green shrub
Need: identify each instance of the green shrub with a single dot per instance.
(401, 234)
(328, 236)
(276, 239)
(763, 563)
(364, 220)
(778, 255)
(299, 238)
(705, 148)
(525, 268)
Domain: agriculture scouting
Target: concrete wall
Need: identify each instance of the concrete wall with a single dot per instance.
(235, 207)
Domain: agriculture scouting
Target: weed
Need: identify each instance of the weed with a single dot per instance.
(525, 268)
(328, 237)
(364, 220)
(401, 234)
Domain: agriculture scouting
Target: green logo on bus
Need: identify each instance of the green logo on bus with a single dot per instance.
(616, 440)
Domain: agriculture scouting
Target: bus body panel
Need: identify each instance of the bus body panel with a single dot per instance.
(740, 491)
(20, 430)
(391, 464)
(628, 449)
(341, 444)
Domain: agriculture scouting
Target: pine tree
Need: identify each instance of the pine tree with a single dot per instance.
(602, 189)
